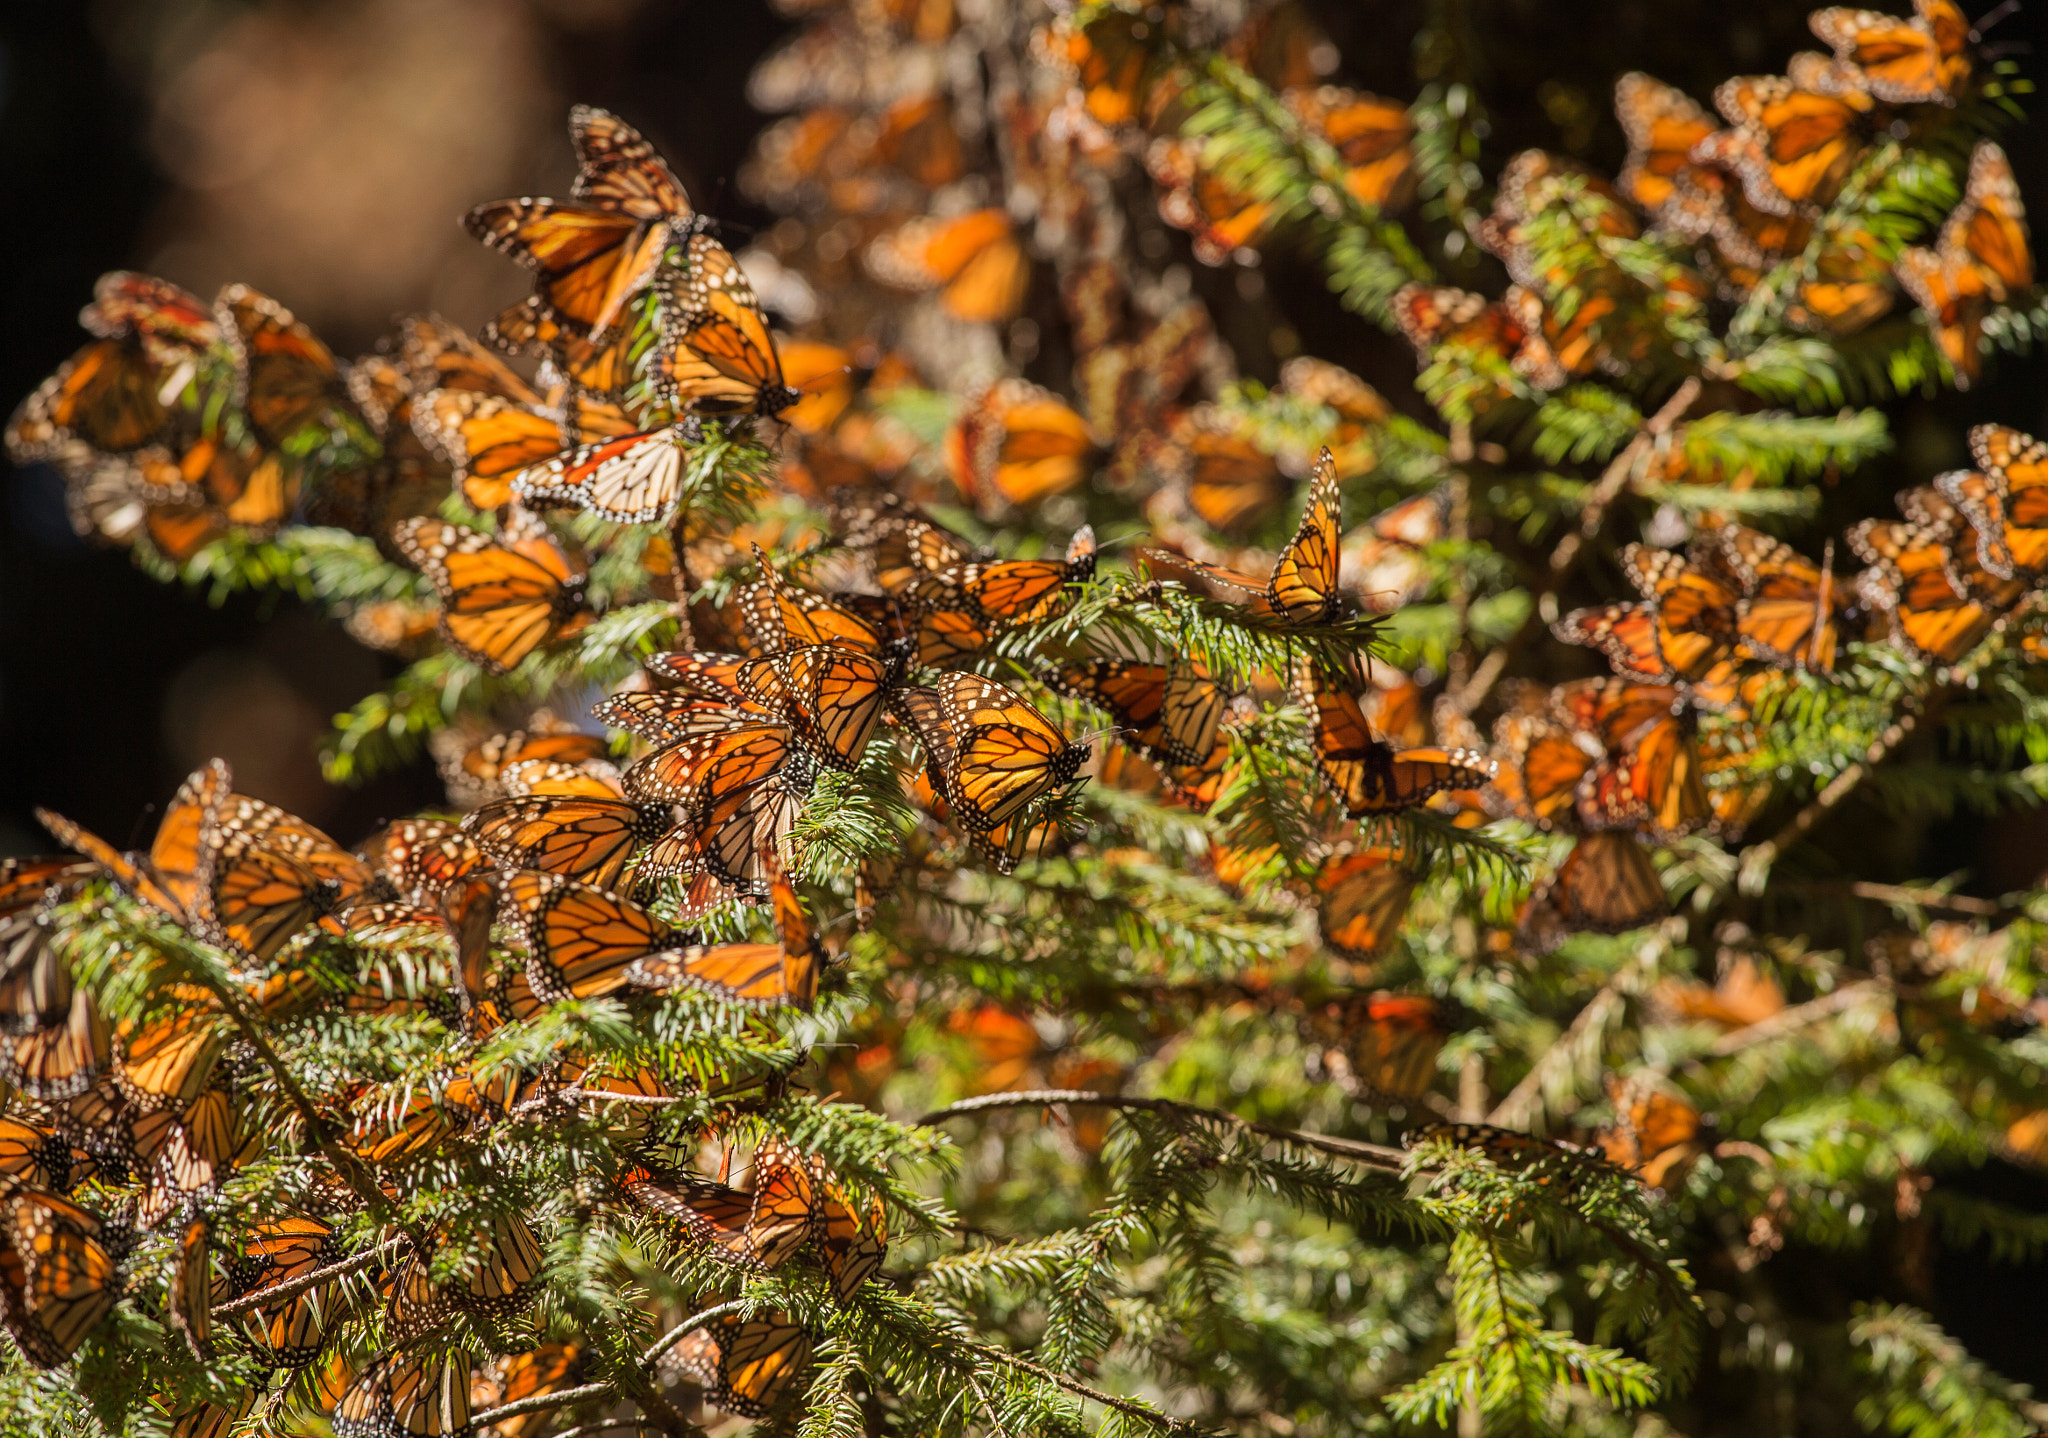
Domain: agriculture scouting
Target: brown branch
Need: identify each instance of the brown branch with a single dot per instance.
(1605, 491)
(1758, 858)
(1798, 1016)
(1917, 897)
(1372, 1154)
(292, 1288)
(541, 1402)
(1078, 1389)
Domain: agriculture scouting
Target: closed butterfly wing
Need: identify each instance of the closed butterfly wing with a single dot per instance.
(500, 600)
(1662, 124)
(974, 260)
(831, 697)
(717, 356)
(1606, 885)
(1361, 899)
(582, 940)
(288, 379)
(590, 840)
(57, 1279)
(1903, 61)
(403, 1394)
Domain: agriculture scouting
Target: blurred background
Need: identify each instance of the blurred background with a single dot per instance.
(323, 150)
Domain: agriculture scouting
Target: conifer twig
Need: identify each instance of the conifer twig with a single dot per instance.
(1373, 1154)
(1612, 481)
(1758, 858)
(562, 1399)
(292, 1288)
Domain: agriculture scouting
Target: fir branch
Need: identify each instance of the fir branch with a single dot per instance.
(1592, 516)
(1371, 1154)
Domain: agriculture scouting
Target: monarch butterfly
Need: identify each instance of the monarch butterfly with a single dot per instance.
(987, 749)
(486, 438)
(168, 878)
(587, 839)
(1224, 475)
(1302, 589)
(1386, 554)
(1467, 325)
(57, 1279)
(782, 974)
(502, 597)
(1361, 899)
(286, 379)
(174, 325)
(1000, 594)
(670, 716)
(549, 1368)
(2005, 502)
(1606, 884)
(853, 1244)
(105, 396)
(253, 900)
(1903, 62)
(1654, 1130)
(582, 940)
(1790, 614)
(759, 1227)
(191, 1288)
(1687, 626)
(777, 615)
(1796, 137)
(1370, 135)
(975, 261)
(1017, 442)
(746, 1366)
(59, 1061)
(421, 857)
(1367, 775)
(409, 1394)
(496, 1285)
(1663, 124)
(1115, 61)
(739, 839)
(1224, 221)
(697, 772)
(716, 355)
(830, 697)
(381, 1136)
(554, 741)
(35, 982)
(1543, 761)
(1911, 578)
(213, 1420)
(592, 779)
(165, 1062)
(39, 1157)
(1171, 713)
(898, 540)
(591, 254)
(1851, 286)
(604, 368)
(1650, 773)
(1387, 1043)
(1980, 257)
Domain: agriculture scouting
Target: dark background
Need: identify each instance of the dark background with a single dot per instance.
(285, 144)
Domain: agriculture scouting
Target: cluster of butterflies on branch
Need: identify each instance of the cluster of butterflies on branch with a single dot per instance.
(590, 867)
(167, 1108)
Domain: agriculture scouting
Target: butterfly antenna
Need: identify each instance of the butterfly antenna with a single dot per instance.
(135, 830)
(1992, 17)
